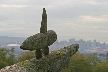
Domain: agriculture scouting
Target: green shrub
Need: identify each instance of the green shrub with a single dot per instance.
(26, 56)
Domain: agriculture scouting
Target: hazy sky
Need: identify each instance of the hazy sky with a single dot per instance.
(86, 19)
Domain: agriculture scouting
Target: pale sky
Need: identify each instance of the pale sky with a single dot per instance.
(81, 19)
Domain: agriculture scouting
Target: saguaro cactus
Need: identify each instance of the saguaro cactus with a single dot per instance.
(43, 28)
(40, 40)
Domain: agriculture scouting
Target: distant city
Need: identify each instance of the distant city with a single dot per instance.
(85, 47)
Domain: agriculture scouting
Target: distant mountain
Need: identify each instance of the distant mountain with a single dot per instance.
(5, 40)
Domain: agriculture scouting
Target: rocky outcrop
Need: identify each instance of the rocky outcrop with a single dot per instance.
(54, 62)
